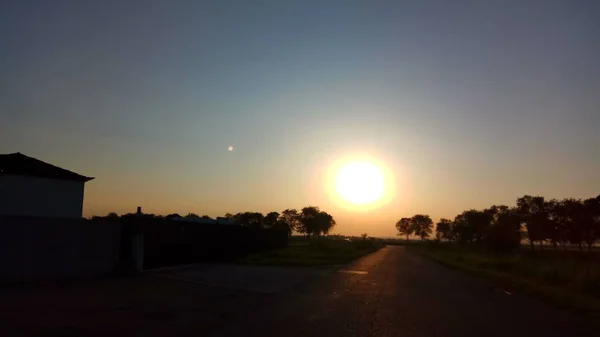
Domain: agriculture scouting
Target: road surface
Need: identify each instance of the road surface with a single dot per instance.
(396, 292)
(393, 292)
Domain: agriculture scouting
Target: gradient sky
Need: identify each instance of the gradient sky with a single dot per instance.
(468, 103)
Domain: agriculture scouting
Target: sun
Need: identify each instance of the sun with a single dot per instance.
(360, 182)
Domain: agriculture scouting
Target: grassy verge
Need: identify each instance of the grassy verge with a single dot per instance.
(568, 284)
(320, 251)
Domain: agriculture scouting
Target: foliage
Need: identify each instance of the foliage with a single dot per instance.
(310, 220)
(404, 227)
(501, 228)
(421, 225)
(470, 226)
(291, 218)
(313, 221)
(172, 216)
(270, 220)
(443, 229)
(558, 278)
(534, 212)
(504, 232)
(249, 219)
(570, 221)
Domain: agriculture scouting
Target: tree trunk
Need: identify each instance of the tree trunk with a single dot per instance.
(406, 237)
(532, 246)
(580, 248)
(542, 246)
(555, 246)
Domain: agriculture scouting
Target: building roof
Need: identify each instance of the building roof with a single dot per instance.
(20, 164)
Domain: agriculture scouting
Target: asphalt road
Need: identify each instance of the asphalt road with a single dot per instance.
(395, 292)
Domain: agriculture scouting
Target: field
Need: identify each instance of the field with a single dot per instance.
(568, 279)
(316, 251)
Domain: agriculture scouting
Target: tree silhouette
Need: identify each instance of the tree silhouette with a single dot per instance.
(172, 216)
(326, 222)
(112, 215)
(559, 222)
(562, 216)
(281, 225)
(504, 233)
(404, 227)
(555, 224)
(271, 219)
(313, 221)
(443, 229)
(462, 229)
(421, 225)
(589, 224)
(535, 215)
(291, 218)
(249, 219)
(470, 226)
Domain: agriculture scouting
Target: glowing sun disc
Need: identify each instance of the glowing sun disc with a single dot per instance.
(360, 182)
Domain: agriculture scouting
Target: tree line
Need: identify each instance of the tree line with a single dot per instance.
(502, 228)
(309, 221)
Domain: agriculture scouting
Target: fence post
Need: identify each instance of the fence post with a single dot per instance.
(138, 251)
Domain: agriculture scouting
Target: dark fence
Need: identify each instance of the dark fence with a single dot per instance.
(169, 242)
(35, 249)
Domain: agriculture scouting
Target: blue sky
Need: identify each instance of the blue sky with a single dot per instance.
(470, 103)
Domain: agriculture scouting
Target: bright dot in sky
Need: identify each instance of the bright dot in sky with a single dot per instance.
(230, 148)
(360, 182)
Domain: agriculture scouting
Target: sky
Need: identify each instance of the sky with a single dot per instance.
(465, 103)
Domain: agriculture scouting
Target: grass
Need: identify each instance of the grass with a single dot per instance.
(572, 284)
(316, 251)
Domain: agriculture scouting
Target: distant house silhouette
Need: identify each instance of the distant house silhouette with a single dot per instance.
(31, 187)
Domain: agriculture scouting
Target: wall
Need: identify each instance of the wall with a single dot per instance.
(33, 196)
(36, 249)
(169, 243)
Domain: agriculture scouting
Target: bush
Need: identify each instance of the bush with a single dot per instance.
(503, 238)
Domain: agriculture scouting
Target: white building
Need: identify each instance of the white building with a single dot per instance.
(31, 187)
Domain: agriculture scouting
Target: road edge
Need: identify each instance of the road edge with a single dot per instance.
(577, 304)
